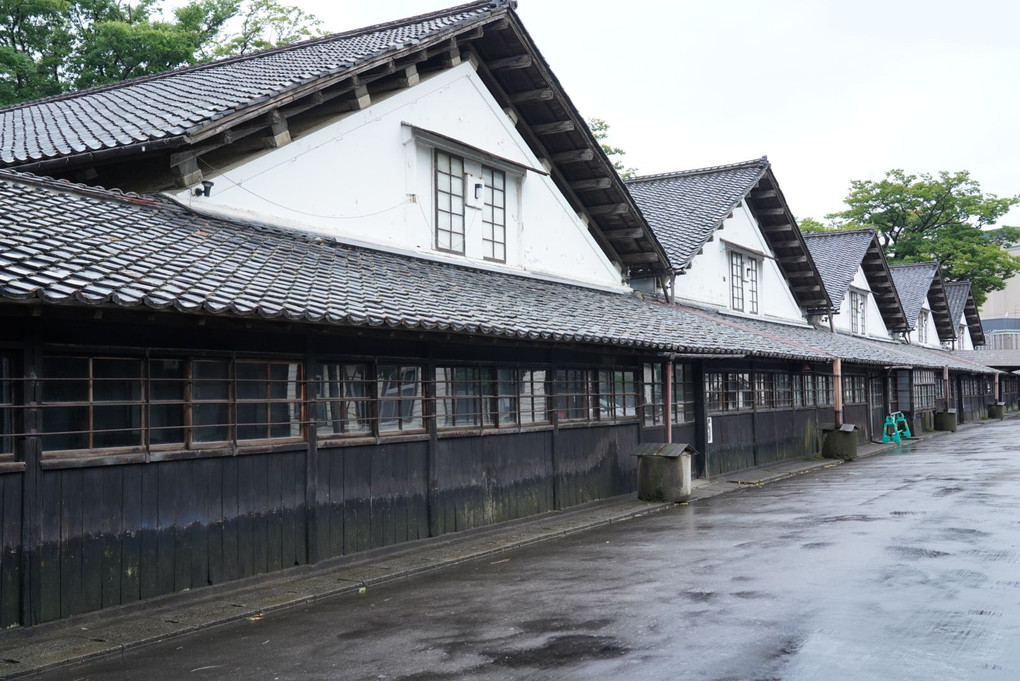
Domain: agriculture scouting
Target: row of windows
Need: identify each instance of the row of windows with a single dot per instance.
(745, 391)
(974, 387)
(855, 390)
(681, 398)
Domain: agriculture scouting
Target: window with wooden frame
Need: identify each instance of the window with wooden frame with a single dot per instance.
(652, 405)
(458, 397)
(764, 390)
(855, 389)
(344, 398)
(399, 395)
(858, 310)
(744, 276)
(7, 405)
(922, 326)
(784, 390)
(715, 391)
(450, 194)
(739, 395)
(823, 390)
(797, 382)
(533, 396)
(924, 389)
(683, 393)
(617, 395)
(494, 213)
(126, 403)
(808, 381)
(572, 395)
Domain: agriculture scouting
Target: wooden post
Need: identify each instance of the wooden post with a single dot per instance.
(948, 388)
(31, 498)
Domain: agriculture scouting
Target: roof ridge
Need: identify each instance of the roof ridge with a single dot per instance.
(762, 162)
(838, 232)
(114, 194)
(194, 68)
(926, 263)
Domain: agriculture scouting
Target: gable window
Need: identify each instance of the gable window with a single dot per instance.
(858, 308)
(922, 326)
(744, 274)
(494, 213)
(449, 202)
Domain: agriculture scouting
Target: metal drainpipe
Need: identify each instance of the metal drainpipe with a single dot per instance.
(667, 400)
(997, 399)
(837, 390)
(832, 323)
(945, 382)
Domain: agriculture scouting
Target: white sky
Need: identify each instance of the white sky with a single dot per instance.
(830, 90)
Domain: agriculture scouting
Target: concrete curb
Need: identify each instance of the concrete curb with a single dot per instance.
(118, 630)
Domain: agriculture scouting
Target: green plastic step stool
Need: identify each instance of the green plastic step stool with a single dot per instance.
(890, 433)
(902, 426)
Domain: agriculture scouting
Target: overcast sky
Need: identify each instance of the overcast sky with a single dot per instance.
(830, 90)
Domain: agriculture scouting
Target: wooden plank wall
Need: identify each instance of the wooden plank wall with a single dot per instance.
(371, 496)
(10, 549)
(858, 414)
(119, 534)
(594, 463)
(732, 448)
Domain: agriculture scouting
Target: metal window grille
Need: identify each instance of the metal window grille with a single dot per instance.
(617, 394)
(449, 202)
(783, 390)
(715, 392)
(855, 390)
(494, 213)
(736, 280)
(764, 389)
(739, 395)
(823, 390)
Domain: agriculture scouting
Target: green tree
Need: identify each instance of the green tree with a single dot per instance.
(266, 24)
(924, 217)
(812, 225)
(52, 46)
(600, 129)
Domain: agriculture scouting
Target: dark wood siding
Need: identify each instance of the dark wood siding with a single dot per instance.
(595, 463)
(858, 414)
(116, 534)
(10, 549)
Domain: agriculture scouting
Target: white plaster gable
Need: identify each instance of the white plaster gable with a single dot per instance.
(366, 178)
(874, 324)
(707, 281)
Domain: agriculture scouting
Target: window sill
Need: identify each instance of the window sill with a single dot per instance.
(572, 425)
(484, 432)
(12, 467)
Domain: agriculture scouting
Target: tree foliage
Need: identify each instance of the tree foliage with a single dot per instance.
(53, 46)
(925, 217)
(811, 225)
(600, 129)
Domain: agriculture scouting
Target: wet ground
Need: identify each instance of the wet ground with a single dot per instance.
(903, 566)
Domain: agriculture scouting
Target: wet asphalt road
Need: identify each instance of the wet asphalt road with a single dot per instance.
(904, 566)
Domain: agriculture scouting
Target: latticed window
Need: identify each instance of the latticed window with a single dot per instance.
(858, 310)
(449, 202)
(654, 399)
(683, 394)
(738, 391)
(855, 389)
(736, 280)
(533, 400)
(764, 390)
(715, 390)
(924, 389)
(810, 395)
(572, 395)
(617, 394)
(494, 213)
(343, 399)
(823, 390)
(784, 390)
(399, 392)
(922, 326)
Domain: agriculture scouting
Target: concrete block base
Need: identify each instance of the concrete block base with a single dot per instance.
(839, 444)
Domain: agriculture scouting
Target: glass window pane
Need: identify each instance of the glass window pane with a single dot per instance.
(211, 379)
(116, 380)
(211, 421)
(65, 379)
(69, 427)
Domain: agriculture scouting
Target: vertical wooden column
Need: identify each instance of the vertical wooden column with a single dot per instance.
(313, 540)
(31, 495)
(432, 424)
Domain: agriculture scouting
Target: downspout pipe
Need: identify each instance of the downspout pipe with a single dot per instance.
(948, 393)
(837, 391)
(667, 399)
(997, 393)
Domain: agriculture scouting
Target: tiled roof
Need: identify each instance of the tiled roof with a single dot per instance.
(838, 255)
(912, 283)
(685, 208)
(1005, 360)
(168, 105)
(67, 244)
(957, 292)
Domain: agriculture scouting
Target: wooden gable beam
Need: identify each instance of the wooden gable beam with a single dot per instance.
(522, 61)
(543, 129)
(609, 209)
(639, 258)
(539, 95)
(624, 234)
(588, 185)
(575, 156)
